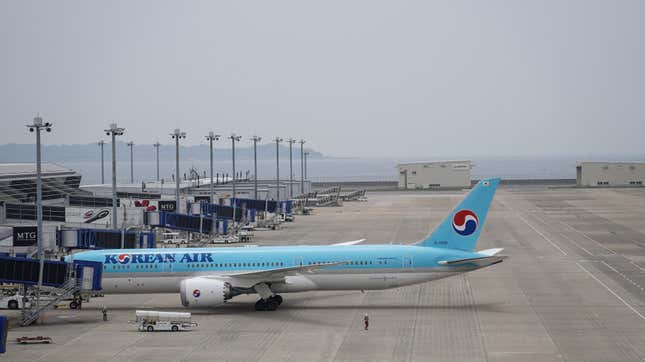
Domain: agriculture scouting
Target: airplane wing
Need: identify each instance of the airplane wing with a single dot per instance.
(349, 242)
(249, 279)
(480, 261)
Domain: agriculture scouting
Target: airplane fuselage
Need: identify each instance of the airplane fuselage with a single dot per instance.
(365, 266)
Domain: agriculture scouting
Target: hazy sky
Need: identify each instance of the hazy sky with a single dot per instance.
(409, 79)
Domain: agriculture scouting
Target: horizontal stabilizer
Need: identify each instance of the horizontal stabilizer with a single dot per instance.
(480, 262)
(349, 243)
(491, 252)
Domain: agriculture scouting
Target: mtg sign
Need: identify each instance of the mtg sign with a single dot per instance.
(25, 236)
(167, 205)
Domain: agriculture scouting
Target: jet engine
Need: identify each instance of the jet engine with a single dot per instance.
(204, 292)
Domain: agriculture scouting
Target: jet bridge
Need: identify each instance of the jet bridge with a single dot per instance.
(63, 281)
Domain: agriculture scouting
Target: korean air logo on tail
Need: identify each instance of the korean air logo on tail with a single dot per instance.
(465, 222)
(123, 258)
(196, 293)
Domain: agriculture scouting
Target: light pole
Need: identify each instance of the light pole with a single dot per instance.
(131, 145)
(101, 144)
(114, 131)
(255, 139)
(234, 138)
(306, 154)
(212, 137)
(291, 142)
(156, 145)
(37, 125)
(176, 135)
(302, 168)
(277, 170)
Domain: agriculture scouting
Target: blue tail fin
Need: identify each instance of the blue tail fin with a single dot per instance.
(460, 230)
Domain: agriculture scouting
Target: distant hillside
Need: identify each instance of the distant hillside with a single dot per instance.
(91, 152)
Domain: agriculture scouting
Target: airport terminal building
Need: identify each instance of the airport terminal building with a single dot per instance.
(434, 174)
(594, 174)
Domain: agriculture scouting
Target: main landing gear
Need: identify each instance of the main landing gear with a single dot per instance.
(272, 303)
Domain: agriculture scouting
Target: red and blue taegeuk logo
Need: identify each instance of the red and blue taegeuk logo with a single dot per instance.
(465, 222)
(123, 258)
(196, 293)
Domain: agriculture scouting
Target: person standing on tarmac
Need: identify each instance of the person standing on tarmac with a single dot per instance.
(104, 311)
(366, 320)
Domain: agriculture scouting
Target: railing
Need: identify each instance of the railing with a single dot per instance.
(68, 289)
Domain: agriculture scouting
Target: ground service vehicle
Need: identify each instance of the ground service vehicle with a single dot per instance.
(150, 321)
(11, 301)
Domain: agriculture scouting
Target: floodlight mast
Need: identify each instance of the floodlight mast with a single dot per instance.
(277, 141)
(131, 145)
(302, 168)
(306, 154)
(156, 145)
(114, 131)
(37, 126)
(291, 142)
(176, 135)
(212, 137)
(233, 137)
(101, 144)
(255, 139)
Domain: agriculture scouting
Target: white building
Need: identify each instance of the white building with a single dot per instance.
(434, 174)
(591, 173)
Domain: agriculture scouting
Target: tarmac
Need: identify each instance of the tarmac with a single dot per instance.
(572, 289)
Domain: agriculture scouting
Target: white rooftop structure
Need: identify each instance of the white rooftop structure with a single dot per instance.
(28, 170)
(18, 182)
(610, 173)
(434, 174)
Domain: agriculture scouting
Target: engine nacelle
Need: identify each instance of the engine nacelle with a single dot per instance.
(203, 292)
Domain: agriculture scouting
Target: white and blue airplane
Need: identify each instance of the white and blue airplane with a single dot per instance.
(208, 277)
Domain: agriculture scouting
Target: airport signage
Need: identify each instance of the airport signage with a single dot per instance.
(167, 205)
(91, 216)
(203, 199)
(25, 235)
